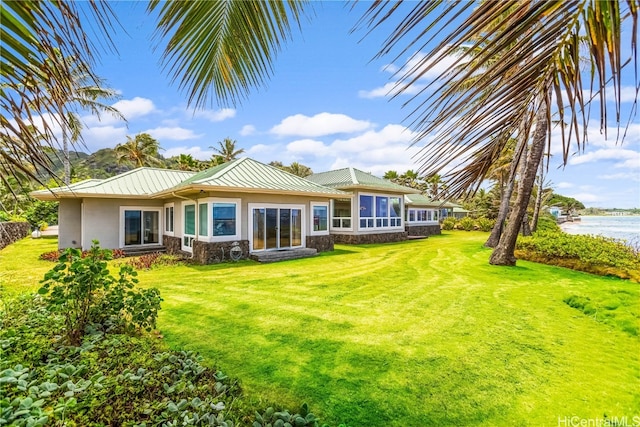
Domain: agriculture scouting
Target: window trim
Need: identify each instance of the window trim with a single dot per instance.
(193, 237)
(414, 210)
(236, 236)
(173, 218)
(375, 216)
(122, 210)
(332, 217)
(313, 232)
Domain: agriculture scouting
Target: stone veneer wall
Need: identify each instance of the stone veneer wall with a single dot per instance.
(320, 243)
(356, 239)
(212, 252)
(423, 230)
(13, 231)
(173, 245)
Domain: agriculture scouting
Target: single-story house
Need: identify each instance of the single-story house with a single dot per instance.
(459, 212)
(422, 215)
(372, 210)
(242, 203)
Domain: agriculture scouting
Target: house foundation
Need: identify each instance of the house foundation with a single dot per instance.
(360, 239)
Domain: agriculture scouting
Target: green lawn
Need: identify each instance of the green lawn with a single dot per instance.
(417, 333)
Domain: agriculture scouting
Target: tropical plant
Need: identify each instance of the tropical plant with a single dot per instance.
(85, 92)
(539, 44)
(141, 150)
(226, 151)
(83, 291)
(298, 169)
(39, 80)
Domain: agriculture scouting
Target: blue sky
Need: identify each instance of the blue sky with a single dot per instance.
(325, 106)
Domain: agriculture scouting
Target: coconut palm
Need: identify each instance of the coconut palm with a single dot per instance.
(141, 150)
(37, 80)
(540, 68)
(226, 151)
(298, 169)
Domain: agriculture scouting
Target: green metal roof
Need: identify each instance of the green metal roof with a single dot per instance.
(420, 200)
(246, 174)
(139, 182)
(351, 178)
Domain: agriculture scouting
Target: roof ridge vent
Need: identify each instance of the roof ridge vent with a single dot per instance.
(353, 176)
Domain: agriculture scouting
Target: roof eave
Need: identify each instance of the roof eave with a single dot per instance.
(222, 189)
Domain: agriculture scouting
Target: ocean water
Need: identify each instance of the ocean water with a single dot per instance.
(619, 227)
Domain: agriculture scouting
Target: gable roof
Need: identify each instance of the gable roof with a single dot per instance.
(136, 183)
(248, 175)
(355, 179)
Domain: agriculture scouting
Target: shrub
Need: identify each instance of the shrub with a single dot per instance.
(593, 254)
(466, 223)
(86, 294)
(147, 261)
(448, 223)
(55, 255)
(485, 224)
(111, 379)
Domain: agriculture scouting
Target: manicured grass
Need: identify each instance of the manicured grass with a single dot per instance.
(410, 334)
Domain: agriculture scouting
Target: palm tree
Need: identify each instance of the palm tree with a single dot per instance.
(141, 150)
(186, 162)
(298, 169)
(85, 91)
(226, 150)
(39, 82)
(539, 43)
(391, 175)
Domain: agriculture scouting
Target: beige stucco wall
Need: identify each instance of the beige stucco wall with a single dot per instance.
(69, 223)
(102, 220)
(246, 200)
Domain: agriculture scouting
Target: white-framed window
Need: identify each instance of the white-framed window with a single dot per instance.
(188, 225)
(225, 219)
(319, 218)
(140, 225)
(169, 219)
(341, 214)
(218, 219)
(379, 211)
(422, 215)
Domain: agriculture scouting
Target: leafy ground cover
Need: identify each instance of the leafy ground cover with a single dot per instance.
(415, 333)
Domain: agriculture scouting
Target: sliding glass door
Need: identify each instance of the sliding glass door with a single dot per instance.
(141, 227)
(276, 228)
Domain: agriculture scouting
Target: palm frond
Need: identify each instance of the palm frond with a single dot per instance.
(516, 53)
(222, 49)
(35, 34)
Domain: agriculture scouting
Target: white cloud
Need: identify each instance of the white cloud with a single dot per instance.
(215, 115)
(304, 147)
(416, 65)
(627, 94)
(624, 158)
(621, 176)
(174, 133)
(391, 89)
(321, 124)
(565, 185)
(136, 107)
(586, 197)
(196, 151)
(247, 130)
(97, 137)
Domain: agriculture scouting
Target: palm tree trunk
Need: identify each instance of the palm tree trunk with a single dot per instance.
(65, 156)
(503, 254)
(503, 212)
(538, 204)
